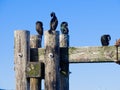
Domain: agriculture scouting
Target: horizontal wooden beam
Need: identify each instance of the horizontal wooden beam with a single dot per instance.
(82, 54)
(92, 54)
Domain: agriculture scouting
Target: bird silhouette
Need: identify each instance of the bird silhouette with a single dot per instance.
(53, 22)
(105, 39)
(64, 28)
(39, 27)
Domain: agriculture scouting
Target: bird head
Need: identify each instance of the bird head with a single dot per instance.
(109, 37)
(64, 24)
(52, 14)
(39, 25)
(39, 22)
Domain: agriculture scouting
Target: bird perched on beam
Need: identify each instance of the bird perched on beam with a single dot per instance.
(39, 27)
(53, 22)
(105, 40)
(64, 28)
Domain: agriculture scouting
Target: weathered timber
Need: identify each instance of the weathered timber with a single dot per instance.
(93, 54)
(64, 63)
(64, 40)
(35, 83)
(33, 70)
(85, 54)
(37, 54)
(21, 56)
(52, 74)
(35, 41)
(30, 60)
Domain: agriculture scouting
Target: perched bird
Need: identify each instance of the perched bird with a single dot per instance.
(64, 28)
(53, 22)
(105, 40)
(39, 27)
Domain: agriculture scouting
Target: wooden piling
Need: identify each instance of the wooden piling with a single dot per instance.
(64, 40)
(21, 56)
(64, 63)
(55, 58)
(35, 42)
(52, 61)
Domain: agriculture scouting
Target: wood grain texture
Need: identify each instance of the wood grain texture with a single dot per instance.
(64, 63)
(92, 54)
(21, 56)
(35, 42)
(52, 61)
(85, 54)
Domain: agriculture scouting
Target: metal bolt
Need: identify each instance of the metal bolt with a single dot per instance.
(50, 55)
(20, 54)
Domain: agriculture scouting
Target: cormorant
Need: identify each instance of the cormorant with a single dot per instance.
(39, 27)
(105, 40)
(64, 28)
(53, 22)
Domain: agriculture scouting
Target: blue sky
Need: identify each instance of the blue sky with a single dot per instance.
(87, 19)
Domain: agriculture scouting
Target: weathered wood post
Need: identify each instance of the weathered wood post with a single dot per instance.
(35, 42)
(52, 61)
(64, 62)
(21, 56)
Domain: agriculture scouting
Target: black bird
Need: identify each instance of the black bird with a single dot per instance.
(105, 40)
(64, 28)
(39, 27)
(53, 22)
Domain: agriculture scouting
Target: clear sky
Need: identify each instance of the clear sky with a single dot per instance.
(87, 19)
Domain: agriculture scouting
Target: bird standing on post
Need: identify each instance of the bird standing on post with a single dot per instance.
(105, 40)
(53, 22)
(39, 27)
(64, 28)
